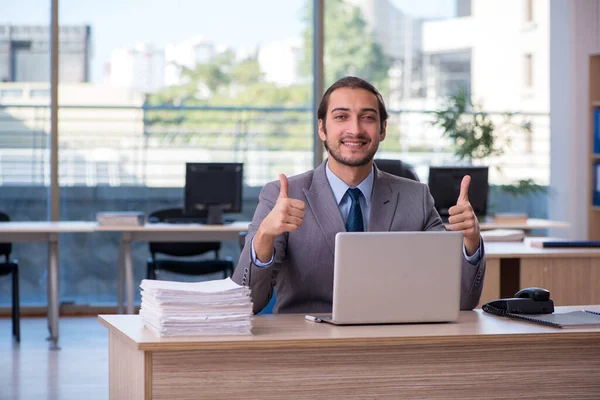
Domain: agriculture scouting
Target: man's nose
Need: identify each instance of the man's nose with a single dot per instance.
(353, 126)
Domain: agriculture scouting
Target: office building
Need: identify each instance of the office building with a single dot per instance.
(279, 61)
(141, 68)
(25, 53)
(197, 50)
(400, 36)
(497, 50)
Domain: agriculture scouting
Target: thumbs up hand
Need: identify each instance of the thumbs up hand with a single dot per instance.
(462, 218)
(286, 216)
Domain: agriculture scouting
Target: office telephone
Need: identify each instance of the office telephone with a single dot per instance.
(531, 300)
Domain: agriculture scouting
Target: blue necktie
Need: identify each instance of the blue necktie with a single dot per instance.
(354, 223)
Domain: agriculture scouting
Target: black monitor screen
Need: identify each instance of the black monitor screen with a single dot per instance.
(212, 188)
(444, 185)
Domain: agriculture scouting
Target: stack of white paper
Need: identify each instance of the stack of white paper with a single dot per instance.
(220, 307)
(503, 235)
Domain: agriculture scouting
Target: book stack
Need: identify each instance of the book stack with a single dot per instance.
(219, 307)
(510, 218)
(120, 218)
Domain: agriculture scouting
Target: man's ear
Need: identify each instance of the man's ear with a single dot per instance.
(383, 131)
(322, 133)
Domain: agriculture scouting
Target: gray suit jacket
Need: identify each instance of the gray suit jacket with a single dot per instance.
(302, 271)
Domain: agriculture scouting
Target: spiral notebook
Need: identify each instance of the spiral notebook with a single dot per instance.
(573, 319)
(576, 244)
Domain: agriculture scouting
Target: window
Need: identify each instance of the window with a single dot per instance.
(37, 93)
(24, 127)
(12, 93)
(204, 85)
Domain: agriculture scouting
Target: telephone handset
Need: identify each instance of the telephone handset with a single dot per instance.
(531, 300)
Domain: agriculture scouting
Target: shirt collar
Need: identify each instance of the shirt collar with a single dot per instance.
(339, 187)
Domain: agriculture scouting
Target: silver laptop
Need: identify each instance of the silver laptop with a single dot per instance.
(395, 277)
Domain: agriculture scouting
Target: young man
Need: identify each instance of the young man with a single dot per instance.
(290, 243)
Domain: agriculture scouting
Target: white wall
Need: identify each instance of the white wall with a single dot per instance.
(574, 36)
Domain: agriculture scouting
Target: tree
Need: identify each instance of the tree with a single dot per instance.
(349, 47)
(234, 84)
(225, 81)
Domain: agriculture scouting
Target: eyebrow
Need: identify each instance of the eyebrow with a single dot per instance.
(347, 109)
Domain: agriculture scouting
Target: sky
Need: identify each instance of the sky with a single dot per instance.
(235, 23)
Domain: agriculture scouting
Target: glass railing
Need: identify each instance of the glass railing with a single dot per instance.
(149, 145)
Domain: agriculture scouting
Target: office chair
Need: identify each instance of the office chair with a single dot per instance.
(11, 267)
(182, 250)
(398, 168)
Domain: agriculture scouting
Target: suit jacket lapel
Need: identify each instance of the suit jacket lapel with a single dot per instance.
(323, 205)
(383, 204)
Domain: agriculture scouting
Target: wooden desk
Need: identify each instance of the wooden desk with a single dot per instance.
(163, 233)
(571, 275)
(481, 356)
(45, 232)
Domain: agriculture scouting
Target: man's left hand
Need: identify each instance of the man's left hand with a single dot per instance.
(462, 218)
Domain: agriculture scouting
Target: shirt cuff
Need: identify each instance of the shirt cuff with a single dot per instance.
(257, 262)
(475, 258)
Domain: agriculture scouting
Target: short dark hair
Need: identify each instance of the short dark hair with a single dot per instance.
(351, 82)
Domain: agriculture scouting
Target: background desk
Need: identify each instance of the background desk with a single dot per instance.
(163, 233)
(45, 232)
(571, 275)
(287, 357)
(528, 226)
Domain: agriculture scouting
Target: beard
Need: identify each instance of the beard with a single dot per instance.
(337, 156)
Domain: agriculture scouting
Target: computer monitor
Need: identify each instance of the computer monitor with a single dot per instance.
(212, 189)
(444, 185)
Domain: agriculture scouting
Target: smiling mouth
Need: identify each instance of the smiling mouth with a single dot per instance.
(354, 144)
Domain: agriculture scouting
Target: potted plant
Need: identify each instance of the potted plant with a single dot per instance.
(475, 136)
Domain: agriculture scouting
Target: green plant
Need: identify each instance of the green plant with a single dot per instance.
(475, 136)
(523, 186)
(470, 128)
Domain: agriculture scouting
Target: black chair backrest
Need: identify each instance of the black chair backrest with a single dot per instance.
(178, 249)
(398, 168)
(5, 248)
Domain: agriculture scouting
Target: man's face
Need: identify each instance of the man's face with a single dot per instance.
(352, 128)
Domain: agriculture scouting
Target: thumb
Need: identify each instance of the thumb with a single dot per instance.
(463, 197)
(283, 182)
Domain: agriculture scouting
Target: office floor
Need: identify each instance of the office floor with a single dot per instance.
(32, 371)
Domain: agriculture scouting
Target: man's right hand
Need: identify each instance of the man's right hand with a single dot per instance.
(286, 216)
